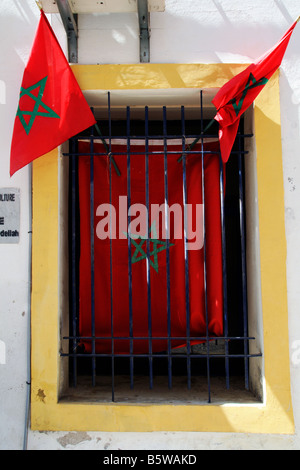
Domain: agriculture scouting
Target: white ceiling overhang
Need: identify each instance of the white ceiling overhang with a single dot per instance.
(173, 99)
(69, 9)
(103, 6)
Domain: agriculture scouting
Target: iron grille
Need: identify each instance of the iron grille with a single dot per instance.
(212, 355)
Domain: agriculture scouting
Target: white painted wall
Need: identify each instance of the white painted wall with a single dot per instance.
(188, 31)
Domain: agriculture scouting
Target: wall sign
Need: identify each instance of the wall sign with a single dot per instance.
(9, 215)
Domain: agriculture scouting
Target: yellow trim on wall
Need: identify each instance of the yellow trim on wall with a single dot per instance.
(275, 414)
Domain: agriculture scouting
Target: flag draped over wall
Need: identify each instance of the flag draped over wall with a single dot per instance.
(239, 93)
(51, 107)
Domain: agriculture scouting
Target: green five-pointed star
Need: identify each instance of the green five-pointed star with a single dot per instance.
(48, 112)
(251, 83)
(157, 246)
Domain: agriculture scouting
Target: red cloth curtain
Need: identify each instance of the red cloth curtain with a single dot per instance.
(119, 319)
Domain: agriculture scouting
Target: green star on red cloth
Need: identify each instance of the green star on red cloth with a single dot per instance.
(48, 112)
(141, 253)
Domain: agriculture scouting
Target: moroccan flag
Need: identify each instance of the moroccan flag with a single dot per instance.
(115, 310)
(239, 93)
(52, 107)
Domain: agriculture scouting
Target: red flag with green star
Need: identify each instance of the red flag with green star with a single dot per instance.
(239, 93)
(51, 107)
(125, 301)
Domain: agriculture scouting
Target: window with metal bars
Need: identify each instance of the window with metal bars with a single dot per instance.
(158, 298)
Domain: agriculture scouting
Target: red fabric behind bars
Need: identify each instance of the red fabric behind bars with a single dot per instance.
(158, 278)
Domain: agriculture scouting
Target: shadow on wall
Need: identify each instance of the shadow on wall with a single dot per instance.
(216, 34)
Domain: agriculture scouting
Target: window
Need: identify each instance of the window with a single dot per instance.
(157, 311)
(51, 408)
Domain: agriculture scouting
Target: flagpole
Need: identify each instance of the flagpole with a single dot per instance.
(38, 4)
(28, 345)
(198, 138)
(106, 148)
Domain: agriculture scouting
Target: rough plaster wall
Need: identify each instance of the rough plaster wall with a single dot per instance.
(188, 31)
(159, 441)
(16, 34)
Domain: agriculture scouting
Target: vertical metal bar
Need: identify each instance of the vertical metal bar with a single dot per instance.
(144, 26)
(186, 260)
(74, 293)
(148, 247)
(129, 244)
(204, 248)
(92, 240)
(111, 263)
(167, 245)
(70, 24)
(243, 259)
(224, 270)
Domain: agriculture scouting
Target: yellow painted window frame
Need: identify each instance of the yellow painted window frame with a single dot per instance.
(275, 414)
